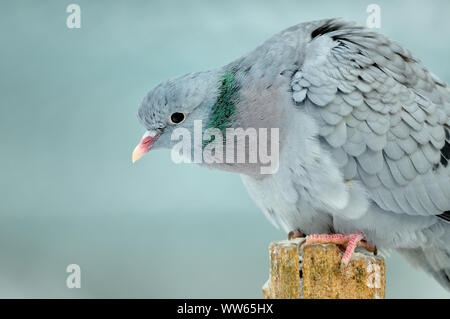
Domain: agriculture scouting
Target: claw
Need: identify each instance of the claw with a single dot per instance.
(352, 241)
(295, 234)
(351, 245)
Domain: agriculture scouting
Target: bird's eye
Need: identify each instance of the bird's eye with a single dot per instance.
(176, 118)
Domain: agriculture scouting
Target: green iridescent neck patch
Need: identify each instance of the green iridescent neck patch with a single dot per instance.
(225, 107)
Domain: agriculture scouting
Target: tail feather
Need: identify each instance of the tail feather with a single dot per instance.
(434, 260)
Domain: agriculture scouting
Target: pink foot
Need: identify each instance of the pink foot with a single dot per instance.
(351, 245)
(352, 241)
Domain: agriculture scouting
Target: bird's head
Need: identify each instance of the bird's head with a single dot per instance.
(175, 103)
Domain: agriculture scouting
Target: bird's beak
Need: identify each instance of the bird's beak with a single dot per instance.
(144, 145)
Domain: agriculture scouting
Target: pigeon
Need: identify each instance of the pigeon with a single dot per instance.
(363, 142)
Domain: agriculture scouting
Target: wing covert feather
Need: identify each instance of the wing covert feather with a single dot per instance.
(375, 103)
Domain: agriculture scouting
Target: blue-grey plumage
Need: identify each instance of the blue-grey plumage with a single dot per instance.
(364, 135)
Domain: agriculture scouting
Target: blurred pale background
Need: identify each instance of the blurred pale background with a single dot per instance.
(69, 193)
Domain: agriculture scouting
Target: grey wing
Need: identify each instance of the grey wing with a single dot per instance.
(382, 115)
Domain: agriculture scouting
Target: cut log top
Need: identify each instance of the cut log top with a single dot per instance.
(315, 272)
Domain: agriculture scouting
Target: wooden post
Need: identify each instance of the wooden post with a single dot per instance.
(315, 272)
